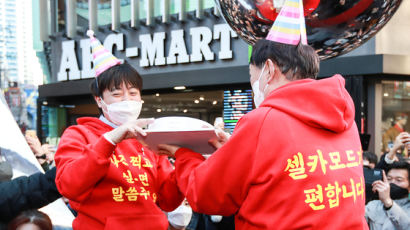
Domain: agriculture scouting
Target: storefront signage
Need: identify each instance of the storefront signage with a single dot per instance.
(152, 49)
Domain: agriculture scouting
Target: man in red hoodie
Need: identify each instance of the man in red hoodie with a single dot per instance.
(111, 179)
(295, 162)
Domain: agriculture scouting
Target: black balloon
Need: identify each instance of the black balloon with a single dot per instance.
(333, 27)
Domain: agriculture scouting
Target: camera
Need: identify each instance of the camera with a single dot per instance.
(370, 176)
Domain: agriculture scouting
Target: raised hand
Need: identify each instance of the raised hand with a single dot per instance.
(130, 129)
(383, 188)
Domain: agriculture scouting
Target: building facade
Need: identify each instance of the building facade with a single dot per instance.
(8, 42)
(20, 72)
(194, 65)
(17, 57)
(29, 69)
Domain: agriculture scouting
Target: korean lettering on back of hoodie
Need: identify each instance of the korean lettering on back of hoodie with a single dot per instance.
(328, 193)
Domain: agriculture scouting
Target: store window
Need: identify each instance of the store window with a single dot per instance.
(204, 105)
(213, 106)
(222, 108)
(395, 112)
(53, 123)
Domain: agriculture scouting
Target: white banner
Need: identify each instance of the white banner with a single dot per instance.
(17, 152)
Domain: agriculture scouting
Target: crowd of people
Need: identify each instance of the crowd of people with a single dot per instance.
(389, 209)
(387, 196)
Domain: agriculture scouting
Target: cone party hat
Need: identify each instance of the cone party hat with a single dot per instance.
(289, 27)
(102, 58)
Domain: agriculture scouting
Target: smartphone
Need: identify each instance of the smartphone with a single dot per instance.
(370, 176)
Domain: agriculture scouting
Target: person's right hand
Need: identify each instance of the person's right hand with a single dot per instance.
(35, 145)
(49, 150)
(405, 139)
(383, 188)
(400, 140)
(130, 129)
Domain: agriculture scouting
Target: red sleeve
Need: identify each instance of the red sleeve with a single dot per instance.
(80, 165)
(220, 184)
(169, 196)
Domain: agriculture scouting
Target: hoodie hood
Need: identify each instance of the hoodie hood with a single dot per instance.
(322, 103)
(94, 123)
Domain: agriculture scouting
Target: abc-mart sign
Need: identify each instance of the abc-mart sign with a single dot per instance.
(154, 49)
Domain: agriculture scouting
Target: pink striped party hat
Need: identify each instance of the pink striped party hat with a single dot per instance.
(102, 58)
(289, 27)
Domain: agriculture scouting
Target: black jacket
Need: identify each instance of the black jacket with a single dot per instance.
(23, 193)
(382, 163)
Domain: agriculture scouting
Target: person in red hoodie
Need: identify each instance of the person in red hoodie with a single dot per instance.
(295, 162)
(111, 179)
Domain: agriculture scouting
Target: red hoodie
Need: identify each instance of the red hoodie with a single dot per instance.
(113, 187)
(293, 163)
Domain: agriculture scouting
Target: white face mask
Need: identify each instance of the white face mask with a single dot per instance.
(123, 111)
(180, 217)
(258, 96)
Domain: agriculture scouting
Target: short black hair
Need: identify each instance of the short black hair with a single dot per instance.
(295, 62)
(400, 165)
(114, 77)
(370, 156)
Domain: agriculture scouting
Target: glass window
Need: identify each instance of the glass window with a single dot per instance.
(53, 123)
(395, 111)
(104, 11)
(209, 4)
(173, 6)
(142, 9)
(125, 10)
(204, 105)
(190, 5)
(61, 15)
